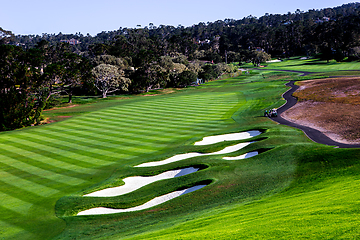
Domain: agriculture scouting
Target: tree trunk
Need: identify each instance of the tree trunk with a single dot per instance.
(70, 98)
(103, 94)
(148, 88)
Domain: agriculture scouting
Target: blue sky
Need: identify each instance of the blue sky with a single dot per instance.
(89, 16)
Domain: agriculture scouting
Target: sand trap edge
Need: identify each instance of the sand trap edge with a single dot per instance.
(244, 156)
(227, 137)
(154, 202)
(136, 182)
(183, 156)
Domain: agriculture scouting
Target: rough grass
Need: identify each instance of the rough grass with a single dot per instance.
(337, 90)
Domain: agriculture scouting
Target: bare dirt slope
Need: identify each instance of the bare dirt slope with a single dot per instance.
(330, 105)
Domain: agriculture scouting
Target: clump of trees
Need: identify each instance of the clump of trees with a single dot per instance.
(19, 90)
(31, 78)
(258, 57)
(229, 40)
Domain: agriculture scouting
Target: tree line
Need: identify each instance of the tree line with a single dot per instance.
(281, 35)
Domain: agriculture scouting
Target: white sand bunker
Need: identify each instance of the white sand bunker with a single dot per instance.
(246, 155)
(228, 137)
(134, 183)
(179, 157)
(149, 204)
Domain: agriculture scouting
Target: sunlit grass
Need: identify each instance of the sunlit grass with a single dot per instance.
(315, 65)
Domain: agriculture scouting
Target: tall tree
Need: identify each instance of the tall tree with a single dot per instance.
(259, 57)
(109, 78)
(19, 81)
(77, 70)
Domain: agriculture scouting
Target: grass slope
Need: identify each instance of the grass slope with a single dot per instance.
(45, 170)
(322, 203)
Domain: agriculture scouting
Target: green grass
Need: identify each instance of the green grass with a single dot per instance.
(314, 65)
(322, 204)
(45, 170)
(319, 67)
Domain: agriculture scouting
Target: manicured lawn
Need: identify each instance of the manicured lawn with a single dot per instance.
(314, 65)
(45, 170)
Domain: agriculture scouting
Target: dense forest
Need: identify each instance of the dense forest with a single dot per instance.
(36, 69)
(298, 33)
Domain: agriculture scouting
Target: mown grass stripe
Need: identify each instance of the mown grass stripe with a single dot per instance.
(48, 165)
(211, 109)
(97, 141)
(140, 126)
(166, 115)
(126, 122)
(114, 138)
(87, 159)
(144, 134)
(181, 101)
(148, 118)
(56, 146)
(199, 111)
(148, 128)
(8, 230)
(31, 153)
(204, 107)
(114, 134)
(208, 106)
(145, 118)
(11, 203)
(33, 190)
(37, 175)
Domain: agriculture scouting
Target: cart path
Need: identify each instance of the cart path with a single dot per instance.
(313, 134)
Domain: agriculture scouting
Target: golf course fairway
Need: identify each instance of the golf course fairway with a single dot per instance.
(292, 188)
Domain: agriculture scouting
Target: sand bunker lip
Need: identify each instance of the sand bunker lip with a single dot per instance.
(244, 156)
(136, 182)
(179, 157)
(154, 202)
(228, 137)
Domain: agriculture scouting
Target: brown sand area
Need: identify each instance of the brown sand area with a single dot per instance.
(330, 105)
